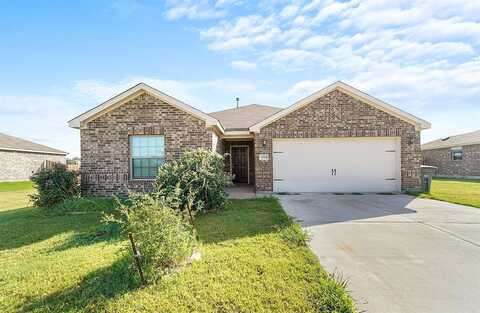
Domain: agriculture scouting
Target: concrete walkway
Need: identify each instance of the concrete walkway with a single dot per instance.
(400, 254)
(241, 191)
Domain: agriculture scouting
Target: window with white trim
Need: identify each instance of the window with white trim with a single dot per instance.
(147, 154)
(457, 154)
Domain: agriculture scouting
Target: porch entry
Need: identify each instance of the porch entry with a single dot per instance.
(239, 157)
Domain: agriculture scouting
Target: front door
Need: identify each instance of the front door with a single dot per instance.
(239, 155)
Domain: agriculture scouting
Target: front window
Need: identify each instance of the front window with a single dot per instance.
(147, 155)
(457, 154)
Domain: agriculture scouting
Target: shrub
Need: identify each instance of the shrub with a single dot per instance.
(54, 185)
(197, 181)
(163, 238)
(331, 296)
(294, 234)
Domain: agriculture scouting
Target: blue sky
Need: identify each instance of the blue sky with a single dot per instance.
(60, 58)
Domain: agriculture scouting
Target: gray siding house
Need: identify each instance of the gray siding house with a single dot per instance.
(20, 158)
(338, 139)
(454, 156)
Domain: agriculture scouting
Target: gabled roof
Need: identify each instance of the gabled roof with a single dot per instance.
(250, 118)
(353, 92)
(11, 143)
(133, 92)
(243, 117)
(471, 138)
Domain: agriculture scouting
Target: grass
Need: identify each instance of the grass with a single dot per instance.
(15, 194)
(250, 264)
(461, 191)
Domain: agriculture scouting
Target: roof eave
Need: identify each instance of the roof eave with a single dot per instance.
(134, 91)
(452, 145)
(34, 151)
(419, 123)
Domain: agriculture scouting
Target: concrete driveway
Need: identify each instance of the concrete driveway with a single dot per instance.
(400, 254)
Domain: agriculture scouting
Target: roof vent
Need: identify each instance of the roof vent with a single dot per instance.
(445, 139)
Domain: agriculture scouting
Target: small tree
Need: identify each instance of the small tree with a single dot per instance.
(195, 182)
(163, 237)
(54, 185)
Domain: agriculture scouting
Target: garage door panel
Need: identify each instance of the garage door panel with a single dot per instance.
(336, 165)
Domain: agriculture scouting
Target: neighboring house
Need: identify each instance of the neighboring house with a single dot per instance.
(454, 156)
(339, 139)
(73, 164)
(20, 158)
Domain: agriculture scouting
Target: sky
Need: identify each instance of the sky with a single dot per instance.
(61, 58)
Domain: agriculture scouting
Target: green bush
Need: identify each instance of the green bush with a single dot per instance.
(331, 296)
(163, 238)
(197, 181)
(294, 234)
(54, 185)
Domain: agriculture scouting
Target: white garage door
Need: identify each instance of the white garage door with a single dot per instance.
(336, 165)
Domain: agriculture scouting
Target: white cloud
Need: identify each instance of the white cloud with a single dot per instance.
(304, 88)
(39, 118)
(300, 20)
(244, 32)
(332, 10)
(289, 11)
(243, 65)
(223, 3)
(317, 42)
(192, 11)
(451, 29)
(198, 9)
(420, 55)
(294, 35)
(187, 91)
(291, 59)
(99, 91)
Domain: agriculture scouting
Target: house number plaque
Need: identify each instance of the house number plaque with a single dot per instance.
(263, 157)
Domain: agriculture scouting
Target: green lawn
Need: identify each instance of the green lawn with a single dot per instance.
(461, 191)
(15, 195)
(53, 264)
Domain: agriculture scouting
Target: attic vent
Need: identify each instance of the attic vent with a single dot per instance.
(445, 139)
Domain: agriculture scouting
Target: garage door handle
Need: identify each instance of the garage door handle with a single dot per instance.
(278, 179)
(390, 179)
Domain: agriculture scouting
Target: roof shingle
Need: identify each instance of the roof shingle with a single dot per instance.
(245, 116)
(8, 142)
(454, 141)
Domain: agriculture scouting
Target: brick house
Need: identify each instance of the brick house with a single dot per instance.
(338, 139)
(20, 158)
(454, 156)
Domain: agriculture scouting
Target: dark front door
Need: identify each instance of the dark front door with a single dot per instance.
(240, 164)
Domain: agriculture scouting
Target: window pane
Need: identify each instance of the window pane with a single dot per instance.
(146, 168)
(147, 146)
(153, 171)
(136, 163)
(457, 155)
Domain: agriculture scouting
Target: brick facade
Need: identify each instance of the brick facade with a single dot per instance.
(442, 158)
(339, 115)
(105, 147)
(105, 150)
(17, 166)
